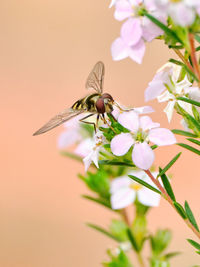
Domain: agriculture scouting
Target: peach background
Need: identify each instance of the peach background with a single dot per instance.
(47, 51)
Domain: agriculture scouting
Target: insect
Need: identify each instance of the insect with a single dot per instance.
(98, 103)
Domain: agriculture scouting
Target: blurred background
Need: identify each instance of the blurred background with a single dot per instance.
(47, 51)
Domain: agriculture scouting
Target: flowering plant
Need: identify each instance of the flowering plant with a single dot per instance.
(119, 156)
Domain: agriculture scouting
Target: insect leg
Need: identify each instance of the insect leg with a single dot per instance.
(105, 121)
(87, 122)
(97, 120)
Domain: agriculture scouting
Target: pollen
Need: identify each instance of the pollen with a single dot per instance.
(135, 187)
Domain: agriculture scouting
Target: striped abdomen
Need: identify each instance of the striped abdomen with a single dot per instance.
(87, 103)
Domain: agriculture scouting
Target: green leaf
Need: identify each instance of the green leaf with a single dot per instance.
(197, 38)
(99, 201)
(194, 243)
(115, 163)
(119, 229)
(166, 168)
(195, 141)
(71, 155)
(132, 240)
(144, 184)
(194, 122)
(120, 260)
(103, 231)
(194, 150)
(187, 100)
(98, 182)
(171, 255)
(190, 215)
(167, 185)
(160, 241)
(184, 133)
(177, 62)
(167, 30)
(180, 210)
(198, 48)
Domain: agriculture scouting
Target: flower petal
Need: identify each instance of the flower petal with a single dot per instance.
(122, 198)
(85, 147)
(136, 52)
(68, 138)
(146, 123)
(120, 182)
(131, 31)
(123, 10)
(119, 49)
(148, 197)
(143, 156)
(144, 110)
(130, 120)
(181, 14)
(162, 137)
(169, 110)
(121, 144)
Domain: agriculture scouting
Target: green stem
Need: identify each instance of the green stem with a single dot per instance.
(180, 55)
(193, 56)
(170, 201)
(140, 260)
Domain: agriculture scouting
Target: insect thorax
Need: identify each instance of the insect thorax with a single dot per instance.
(87, 103)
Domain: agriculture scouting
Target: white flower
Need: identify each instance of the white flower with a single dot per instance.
(93, 155)
(124, 191)
(71, 135)
(166, 87)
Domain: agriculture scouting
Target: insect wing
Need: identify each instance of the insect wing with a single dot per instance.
(60, 118)
(96, 78)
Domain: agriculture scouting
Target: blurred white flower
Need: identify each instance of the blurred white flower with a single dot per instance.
(124, 191)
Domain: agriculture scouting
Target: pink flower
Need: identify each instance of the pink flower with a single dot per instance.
(124, 191)
(135, 31)
(142, 131)
(183, 12)
(71, 135)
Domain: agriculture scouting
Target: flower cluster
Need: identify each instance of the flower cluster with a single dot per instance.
(136, 30)
(167, 87)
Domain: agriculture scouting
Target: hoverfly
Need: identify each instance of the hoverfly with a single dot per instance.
(98, 103)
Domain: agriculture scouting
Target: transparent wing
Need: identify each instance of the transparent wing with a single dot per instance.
(96, 78)
(60, 118)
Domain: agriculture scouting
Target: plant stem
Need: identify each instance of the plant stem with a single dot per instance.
(167, 197)
(124, 214)
(140, 260)
(180, 55)
(193, 56)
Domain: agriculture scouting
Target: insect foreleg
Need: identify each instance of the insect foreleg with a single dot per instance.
(88, 122)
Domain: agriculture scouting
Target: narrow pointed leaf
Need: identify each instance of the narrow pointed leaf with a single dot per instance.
(99, 201)
(195, 141)
(167, 30)
(132, 240)
(103, 231)
(184, 133)
(180, 210)
(166, 168)
(197, 38)
(193, 102)
(190, 215)
(144, 184)
(177, 62)
(171, 255)
(115, 163)
(194, 150)
(194, 122)
(194, 243)
(167, 185)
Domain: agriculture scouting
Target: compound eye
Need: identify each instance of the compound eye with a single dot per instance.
(100, 105)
